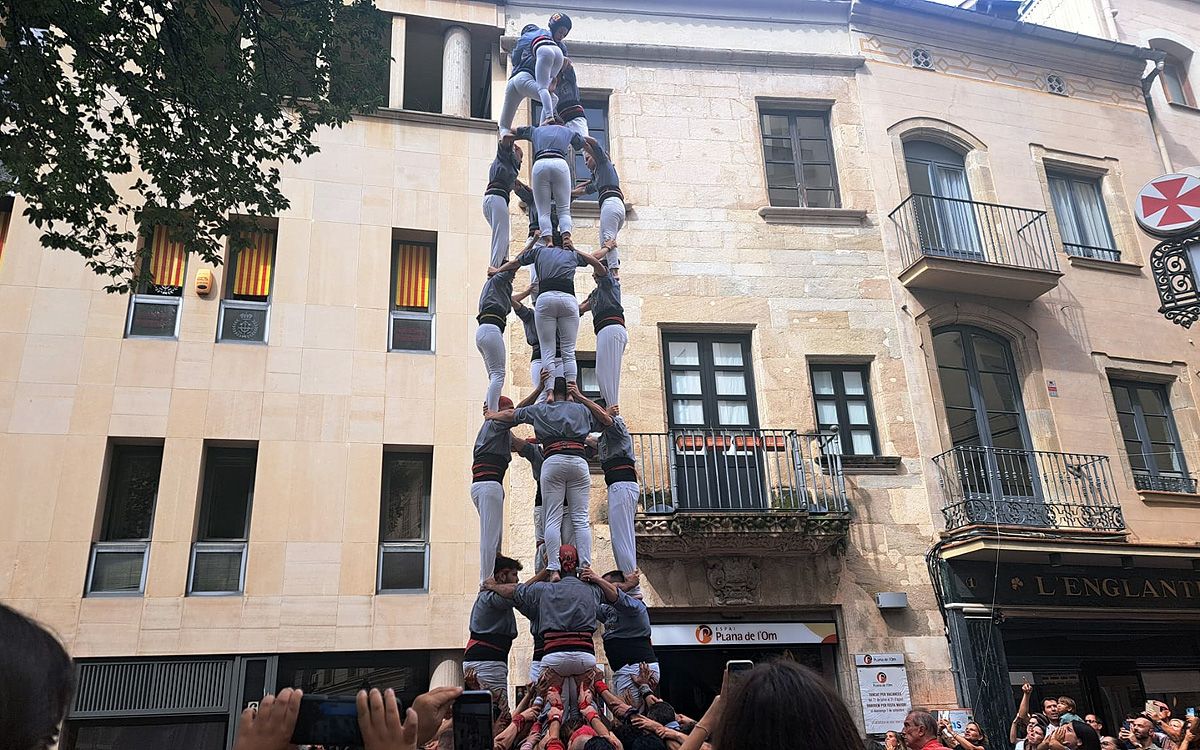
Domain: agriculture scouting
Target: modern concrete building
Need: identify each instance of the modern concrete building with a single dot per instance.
(895, 368)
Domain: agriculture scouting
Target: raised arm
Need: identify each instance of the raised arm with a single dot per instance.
(506, 590)
(586, 305)
(512, 265)
(543, 378)
(587, 575)
(523, 133)
(504, 415)
(591, 260)
(599, 413)
(1022, 716)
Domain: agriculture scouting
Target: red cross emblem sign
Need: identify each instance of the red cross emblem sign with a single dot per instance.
(1169, 205)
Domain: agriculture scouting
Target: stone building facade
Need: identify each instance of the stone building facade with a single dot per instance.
(822, 198)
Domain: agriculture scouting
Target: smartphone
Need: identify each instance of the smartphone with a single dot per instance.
(1191, 712)
(735, 667)
(472, 716)
(1151, 707)
(327, 720)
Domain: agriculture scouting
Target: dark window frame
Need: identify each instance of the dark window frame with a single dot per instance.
(587, 360)
(1179, 71)
(591, 103)
(1152, 470)
(421, 544)
(105, 542)
(214, 458)
(1095, 183)
(708, 392)
(791, 113)
(841, 401)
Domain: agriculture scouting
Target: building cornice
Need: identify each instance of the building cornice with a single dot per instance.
(629, 52)
(771, 11)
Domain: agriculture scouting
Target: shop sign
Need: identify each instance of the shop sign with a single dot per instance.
(722, 634)
(1169, 205)
(959, 718)
(1018, 584)
(883, 689)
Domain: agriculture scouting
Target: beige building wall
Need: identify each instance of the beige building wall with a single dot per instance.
(321, 401)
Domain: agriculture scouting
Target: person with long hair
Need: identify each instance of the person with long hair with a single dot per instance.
(37, 686)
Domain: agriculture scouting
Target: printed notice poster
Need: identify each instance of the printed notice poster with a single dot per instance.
(883, 687)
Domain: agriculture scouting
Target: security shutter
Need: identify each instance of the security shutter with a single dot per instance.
(152, 688)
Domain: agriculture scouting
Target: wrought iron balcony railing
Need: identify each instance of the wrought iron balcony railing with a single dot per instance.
(931, 226)
(1038, 489)
(1162, 483)
(1091, 251)
(739, 470)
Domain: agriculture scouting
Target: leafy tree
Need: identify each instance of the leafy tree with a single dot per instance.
(124, 114)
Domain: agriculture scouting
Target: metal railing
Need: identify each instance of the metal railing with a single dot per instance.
(1028, 488)
(1091, 251)
(739, 470)
(1163, 483)
(975, 231)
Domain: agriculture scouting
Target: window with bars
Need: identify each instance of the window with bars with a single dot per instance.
(1150, 437)
(1082, 219)
(249, 275)
(404, 522)
(119, 556)
(154, 307)
(595, 109)
(414, 266)
(710, 381)
(798, 153)
(219, 553)
(843, 402)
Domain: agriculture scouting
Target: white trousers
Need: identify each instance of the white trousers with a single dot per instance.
(520, 87)
(552, 183)
(622, 506)
(578, 125)
(612, 219)
(535, 670)
(566, 477)
(535, 375)
(546, 67)
(610, 350)
(490, 342)
(489, 502)
(623, 680)
(556, 315)
(495, 210)
(569, 663)
(493, 675)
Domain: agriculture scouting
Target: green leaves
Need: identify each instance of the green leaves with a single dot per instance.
(129, 113)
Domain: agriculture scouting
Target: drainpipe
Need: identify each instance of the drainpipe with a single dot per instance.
(1155, 126)
(1110, 19)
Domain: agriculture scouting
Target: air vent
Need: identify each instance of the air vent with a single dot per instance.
(922, 59)
(152, 687)
(1056, 85)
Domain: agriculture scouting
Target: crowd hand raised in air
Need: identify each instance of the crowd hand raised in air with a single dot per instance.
(431, 708)
(645, 677)
(471, 680)
(380, 723)
(270, 726)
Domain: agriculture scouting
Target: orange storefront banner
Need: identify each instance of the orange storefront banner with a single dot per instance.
(252, 270)
(167, 259)
(412, 276)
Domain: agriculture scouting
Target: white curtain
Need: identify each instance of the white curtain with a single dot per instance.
(959, 232)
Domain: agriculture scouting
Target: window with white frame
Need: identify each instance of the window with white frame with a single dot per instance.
(1082, 220)
(120, 554)
(413, 277)
(249, 276)
(158, 295)
(404, 522)
(219, 552)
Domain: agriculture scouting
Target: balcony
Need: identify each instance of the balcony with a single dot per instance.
(1029, 489)
(746, 492)
(969, 247)
(1164, 483)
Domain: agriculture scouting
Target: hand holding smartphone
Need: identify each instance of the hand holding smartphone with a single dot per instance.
(472, 716)
(327, 720)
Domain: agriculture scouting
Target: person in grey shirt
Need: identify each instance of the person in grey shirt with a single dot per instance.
(495, 302)
(551, 175)
(493, 628)
(626, 630)
(537, 58)
(608, 320)
(502, 177)
(562, 427)
(607, 185)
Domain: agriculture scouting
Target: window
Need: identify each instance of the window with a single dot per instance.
(154, 309)
(219, 553)
(1175, 82)
(424, 57)
(595, 109)
(709, 381)
(843, 404)
(404, 522)
(1150, 438)
(922, 59)
(798, 151)
(589, 385)
(118, 564)
(1082, 220)
(1056, 85)
(413, 277)
(249, 272)
(6, 207)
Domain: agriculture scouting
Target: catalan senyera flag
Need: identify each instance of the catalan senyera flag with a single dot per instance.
(412, 276)
(167, 259)
(252, 271)
(5, 215)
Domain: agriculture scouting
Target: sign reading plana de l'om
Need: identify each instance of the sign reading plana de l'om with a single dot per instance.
(1038, 585)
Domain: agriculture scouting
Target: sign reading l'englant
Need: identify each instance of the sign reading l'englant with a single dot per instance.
(883, 688)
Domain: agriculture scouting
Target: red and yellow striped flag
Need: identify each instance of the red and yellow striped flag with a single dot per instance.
(167, 259)
(5, 215)
(412, 276)
(253, 266)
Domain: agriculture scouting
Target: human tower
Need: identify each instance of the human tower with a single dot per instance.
(565, 599)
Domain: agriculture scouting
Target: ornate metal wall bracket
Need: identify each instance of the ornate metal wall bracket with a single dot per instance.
(1174, 278)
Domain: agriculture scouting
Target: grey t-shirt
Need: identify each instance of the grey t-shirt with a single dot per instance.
(493, 613)
(553, 263)
(555, 138)
(556, 420)
(567, 606)
(497, 294)
(626, 618)
(494, 438)
(615, 441)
